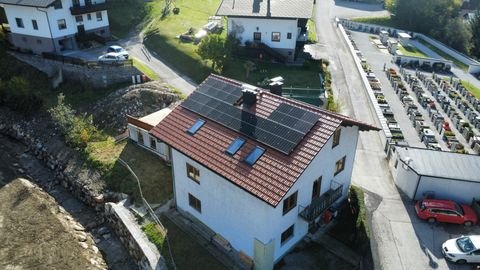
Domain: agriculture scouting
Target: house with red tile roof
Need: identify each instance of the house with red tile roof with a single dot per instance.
(258, 169)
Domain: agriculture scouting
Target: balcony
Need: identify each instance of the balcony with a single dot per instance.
(320, 204)
(89, 7)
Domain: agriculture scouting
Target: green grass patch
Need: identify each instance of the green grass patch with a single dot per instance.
(383, 21)
(161, 35)
(312, 34)
(154, 174)
(444, 55)
(124, 15)
(154, 234)
(472, 88)
(352, 228)
(187, 253)
(145, 69)
(411, 51)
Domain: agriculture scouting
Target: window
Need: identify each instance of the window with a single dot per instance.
(235, 146)
(193, 173)
(257, 36)
(57, 4)
(339, 165)
(195, 203)
(336, 137)
(89, 17)
(34, 24)
(276, 36)
(39, 41)
(289, 35)
(99, 16)
(254, 155)
(195, 127)
(153, 143)
(19, 23)
(24, 39)
(79, 18)
(289, 203)
(62, 24)
(139, 137)
(317, 185)
(287, 234)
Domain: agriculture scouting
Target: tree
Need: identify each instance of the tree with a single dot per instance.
(457, 35)
(475, 28)
(217, 49)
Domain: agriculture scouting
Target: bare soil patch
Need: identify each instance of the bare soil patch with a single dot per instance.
(37, 234)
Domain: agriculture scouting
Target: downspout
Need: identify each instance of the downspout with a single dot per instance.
(49, 29)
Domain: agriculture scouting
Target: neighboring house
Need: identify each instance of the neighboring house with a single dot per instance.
(54, 25)
(278, 24)
(420, 172)
(258, 169)
(138, 131)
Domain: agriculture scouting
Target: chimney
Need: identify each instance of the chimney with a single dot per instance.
(268, 8)
(249, 94)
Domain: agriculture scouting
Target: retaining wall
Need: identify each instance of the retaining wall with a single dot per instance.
(98, 77)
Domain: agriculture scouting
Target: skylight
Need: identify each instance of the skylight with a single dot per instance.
(235, 145)
(254, 155)
(196, 126)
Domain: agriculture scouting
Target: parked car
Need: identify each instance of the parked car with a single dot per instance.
(464, 249)
(445, 211)
(111, 58)
(118, 49)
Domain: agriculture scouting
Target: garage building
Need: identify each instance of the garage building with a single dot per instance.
(418, 172)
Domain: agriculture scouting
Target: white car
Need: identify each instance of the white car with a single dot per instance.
(118, 49)
(465, 249)
(111, 58)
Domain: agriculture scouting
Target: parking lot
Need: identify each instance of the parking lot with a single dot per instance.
(402, 240)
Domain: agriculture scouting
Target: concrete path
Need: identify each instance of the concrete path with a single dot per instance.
(338, 248)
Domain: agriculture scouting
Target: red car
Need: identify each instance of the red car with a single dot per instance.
(445, 211)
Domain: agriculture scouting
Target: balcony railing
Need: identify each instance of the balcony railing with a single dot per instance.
(320, 204)
(78, 9)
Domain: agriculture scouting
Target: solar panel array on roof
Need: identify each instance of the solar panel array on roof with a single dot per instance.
(283, 131)
(220, 90)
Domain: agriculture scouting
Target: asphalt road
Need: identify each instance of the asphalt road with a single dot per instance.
(399, 239)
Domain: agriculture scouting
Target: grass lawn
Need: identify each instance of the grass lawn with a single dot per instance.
(312, 34)
(155, 176)
(124, 15)
(145, 69)
(471, 88)
(161, 35)
(459, 64)
(187, 253)
(384, 21)
(411, 51)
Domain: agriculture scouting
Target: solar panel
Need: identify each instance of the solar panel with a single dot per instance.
(282, 130)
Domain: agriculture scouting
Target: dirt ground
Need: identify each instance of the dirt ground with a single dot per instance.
(34, 234)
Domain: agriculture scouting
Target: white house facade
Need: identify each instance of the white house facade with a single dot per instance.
(263, 205)
(270, 24)
(421, 172)
(54, 25)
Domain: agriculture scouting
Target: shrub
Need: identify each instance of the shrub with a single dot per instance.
(155, 234)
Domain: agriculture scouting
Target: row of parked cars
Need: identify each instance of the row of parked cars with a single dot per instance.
(115, 54)
(464, 249)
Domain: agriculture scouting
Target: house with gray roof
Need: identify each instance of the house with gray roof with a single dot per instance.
(277, 27)
(422, 172)
(54, 25)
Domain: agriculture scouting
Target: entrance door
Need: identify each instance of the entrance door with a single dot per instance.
(81, 30)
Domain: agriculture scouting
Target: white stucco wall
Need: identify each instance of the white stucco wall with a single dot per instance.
(459, 191)
(245, 27)
(405, 179)
(27, 14)
(241, 217)
(161, 148)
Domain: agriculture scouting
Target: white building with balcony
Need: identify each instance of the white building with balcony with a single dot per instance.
(54, 25)
(269, 24)
(258, 169)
